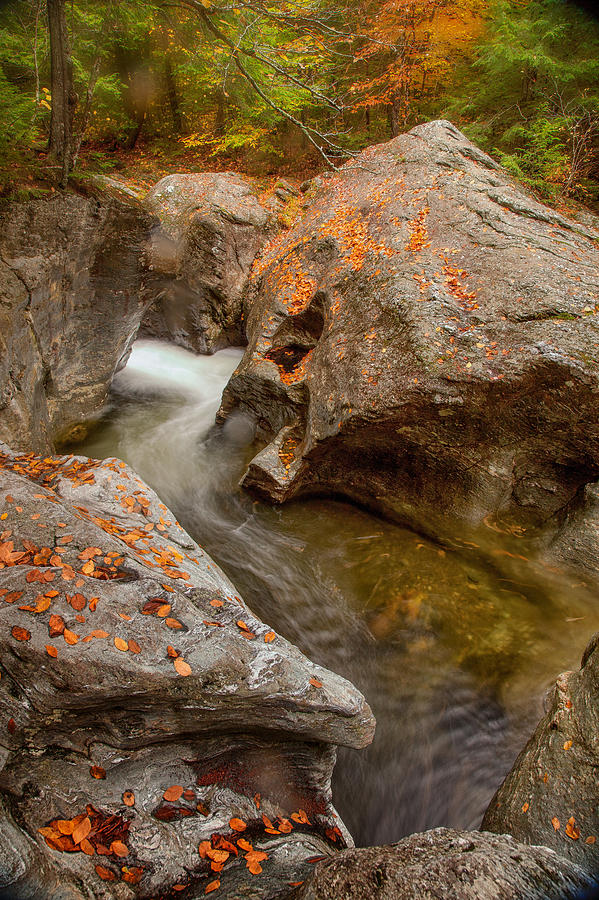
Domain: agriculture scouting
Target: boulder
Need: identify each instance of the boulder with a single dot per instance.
(152, 730)
(212, 226)
(425, 340)
(448, 865)
(550, 796)
(71, 299)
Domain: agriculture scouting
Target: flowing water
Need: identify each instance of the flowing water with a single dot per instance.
(454, 646)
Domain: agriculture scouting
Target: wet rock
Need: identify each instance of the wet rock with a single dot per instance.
(212, 227)
(129, 665)
(425, 340)
(550, 796)
(449, 865)
(71, 298)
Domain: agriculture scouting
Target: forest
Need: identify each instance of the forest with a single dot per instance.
(290, 87)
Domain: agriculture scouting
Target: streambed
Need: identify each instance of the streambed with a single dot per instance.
(454, 645)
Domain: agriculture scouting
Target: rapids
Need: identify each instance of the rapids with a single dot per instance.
(454, 646)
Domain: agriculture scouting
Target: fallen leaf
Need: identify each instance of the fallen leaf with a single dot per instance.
(237, 824)
(567, 745)
(65, 826)
(87, 847)
(245, 845)
(173, 623)
(173, 793)
(525, 807)
(269, 637)
(82, 830)
(134, 646)
(120, 644)
(55, 625)
(105, 874)
(163, 610)
(20, 634)
(119, 849)
(129, 798)
(213, 886)
(591, 839)
(181, 666)
(555, 822)
(97, 772)
(12, 726)
(51, 651)
(132, 874)
(315, 682)
(70, 636)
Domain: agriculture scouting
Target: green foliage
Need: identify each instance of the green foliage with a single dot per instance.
(536, 102)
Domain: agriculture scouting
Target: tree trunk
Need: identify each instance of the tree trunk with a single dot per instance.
(173, 97)
(61, 85)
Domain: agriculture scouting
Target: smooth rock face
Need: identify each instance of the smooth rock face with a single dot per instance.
(551, 795)
(448, 865)
(71, 298)
(212, 227)
(125, 648)
(425, 340)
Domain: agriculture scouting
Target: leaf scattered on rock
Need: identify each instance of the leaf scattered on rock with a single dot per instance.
(182, 667)
(128, 798)
(97, 772)
(237, 824)
(173, 793)
(20, 634)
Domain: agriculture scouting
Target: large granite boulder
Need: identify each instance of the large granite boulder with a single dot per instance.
(449, 865)
(425, 340)
(551, 795)
(71, 299)
(212, 226)
(153, 731)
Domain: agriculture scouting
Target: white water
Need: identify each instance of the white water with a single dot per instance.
(453, 659)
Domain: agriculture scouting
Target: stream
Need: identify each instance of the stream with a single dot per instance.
(454, 646)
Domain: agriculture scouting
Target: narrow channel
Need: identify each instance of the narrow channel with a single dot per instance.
(454, 656)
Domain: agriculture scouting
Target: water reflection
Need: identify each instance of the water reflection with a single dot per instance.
(452, 647)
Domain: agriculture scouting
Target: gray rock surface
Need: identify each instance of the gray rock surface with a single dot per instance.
(129, 665)
(448, 865)
(212, 226)
(425, 339)
(71, 298)
(551, 795)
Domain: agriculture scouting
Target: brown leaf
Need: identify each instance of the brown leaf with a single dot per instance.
(172, 652)
(97, 772)
(82, 830)
(182, 667)
(132, 874)
(173, 793)
(20, 634)
(134, 646)
(105, 874)
(12, 726)
(119, 849)
(56, 625)
(78, 602)
(13, 596)
(129, 798)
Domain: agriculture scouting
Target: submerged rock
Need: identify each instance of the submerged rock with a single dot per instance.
(448, 865)
(551, 796)
(71, 298)
(425, 340)
(143, 707)
(212, 226)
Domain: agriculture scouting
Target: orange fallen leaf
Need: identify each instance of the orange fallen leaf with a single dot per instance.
(567, 745)
(97, 772)
(82, 830)
(269, 637)
(96, 633)
(87, 847)
(591, 839)
(172, 652)
(213, 886)
(555, 822)
(525, 807)
(134, 646)
(88, 568)
(315, 682)
(163, 610)
(245, 845)
(132, 874)
(51, 651)
(20, 634)
(129, 798)
(182, 667)
(70, 636)
(119, 849)
(120, 644)
(216, 603)
(65, 826)
(105, 874)
(237, 824)
(301, 817)
(55, 625)
(173, 793)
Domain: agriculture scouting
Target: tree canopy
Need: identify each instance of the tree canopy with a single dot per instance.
(289, 85)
